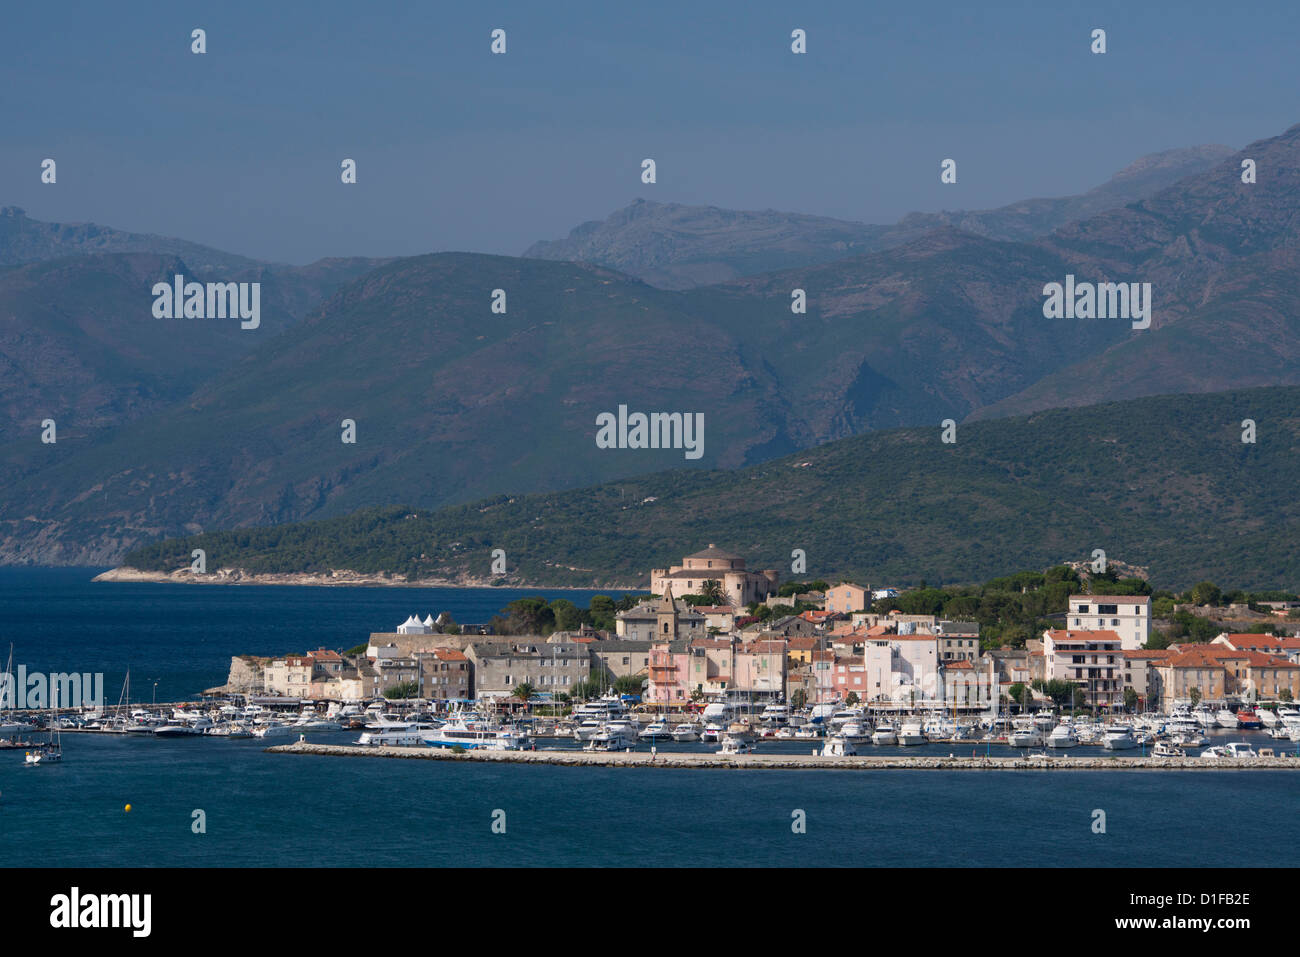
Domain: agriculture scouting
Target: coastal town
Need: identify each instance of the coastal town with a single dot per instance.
(721, 656)
(694, 662)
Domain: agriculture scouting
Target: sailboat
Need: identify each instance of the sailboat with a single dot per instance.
(51, 751)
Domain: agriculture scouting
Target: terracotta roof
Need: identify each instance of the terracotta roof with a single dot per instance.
(1102, 634)
(960, 664)
(802, 643)
(449, 654)
(1147, 653)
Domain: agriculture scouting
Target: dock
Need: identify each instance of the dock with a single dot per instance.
(788, 762)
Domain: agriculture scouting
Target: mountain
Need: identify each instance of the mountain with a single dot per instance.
(1222, 257)
(454, 402)
(25, 240)
(1164, 482)
(679, 247)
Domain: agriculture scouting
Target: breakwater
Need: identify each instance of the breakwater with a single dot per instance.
(644, 759)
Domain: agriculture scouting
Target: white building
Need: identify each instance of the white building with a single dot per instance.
(1129, 616)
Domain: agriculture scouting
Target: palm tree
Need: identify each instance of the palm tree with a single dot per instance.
(523, 691)
(712, 590)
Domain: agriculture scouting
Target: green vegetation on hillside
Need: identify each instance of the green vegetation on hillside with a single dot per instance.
(1165, 483)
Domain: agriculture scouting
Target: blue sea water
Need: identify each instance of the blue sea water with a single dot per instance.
(267, 809)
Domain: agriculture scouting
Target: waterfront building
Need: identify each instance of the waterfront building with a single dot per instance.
(498, 667)
(739, 586)
(958, 640)
(1089, 658)
(445, 675)
(1129, 616)
(1142, 675)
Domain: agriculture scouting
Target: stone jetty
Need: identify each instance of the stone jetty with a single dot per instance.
(644, 759)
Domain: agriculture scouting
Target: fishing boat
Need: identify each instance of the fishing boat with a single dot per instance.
(1248, 719)
(1166, 749)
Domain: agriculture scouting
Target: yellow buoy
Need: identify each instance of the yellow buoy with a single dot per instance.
(128, 808)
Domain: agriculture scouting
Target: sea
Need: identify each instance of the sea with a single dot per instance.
(204, 802)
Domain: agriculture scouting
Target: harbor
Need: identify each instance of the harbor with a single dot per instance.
(802, 762)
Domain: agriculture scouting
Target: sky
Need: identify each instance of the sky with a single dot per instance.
(459, 149)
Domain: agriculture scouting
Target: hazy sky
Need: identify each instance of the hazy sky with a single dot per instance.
(459, 149)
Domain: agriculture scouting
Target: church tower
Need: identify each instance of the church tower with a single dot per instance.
(666, 628)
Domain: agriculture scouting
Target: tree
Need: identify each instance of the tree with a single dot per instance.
(1019, 692)
(1195, 695)
(629, 684)
(712, 590)
(799, 699)
(523, 691)
(1130, 699)
(1205, 593)
(403, 689)
(1284, 694)
(852, 699)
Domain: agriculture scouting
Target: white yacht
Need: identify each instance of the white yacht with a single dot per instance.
(884, 735)
(1062, 736)
(403, 738)
(587, 729)
(910, 734)
(1236, 749)
(840, 717)
(712, 732)
(1225, 718)
(775, 714)
(612, 737)
(1205, 717)
(1189, 739)
(837, 746)
(686, 732)
(1025, 738)
(277, 730)
(656, 731)
(1268, 717)
(1166, 749)
(1119, 737)
(734, 744)
(1045, 721)
(854, 732)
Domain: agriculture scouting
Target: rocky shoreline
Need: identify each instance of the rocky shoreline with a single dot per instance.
(335, 577)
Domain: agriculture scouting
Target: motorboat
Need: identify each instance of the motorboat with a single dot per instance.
(1045, 721)
(734, 744)
(686, 732)
(1237, 749)
(884, 735)
(855, 732)
(587, 729)
(277, 730)
(1205, 717)
(1026, 738)
(712, 733)
(1118, 737)
(840, 717)
(910, 734)
(1189, 739)
(775, 714)
(1166, 749)
(656, 731)
(1062, 736)
(741, 730)
(400, 738)
(1268, 718)
(838, 746)
(1226, 719)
